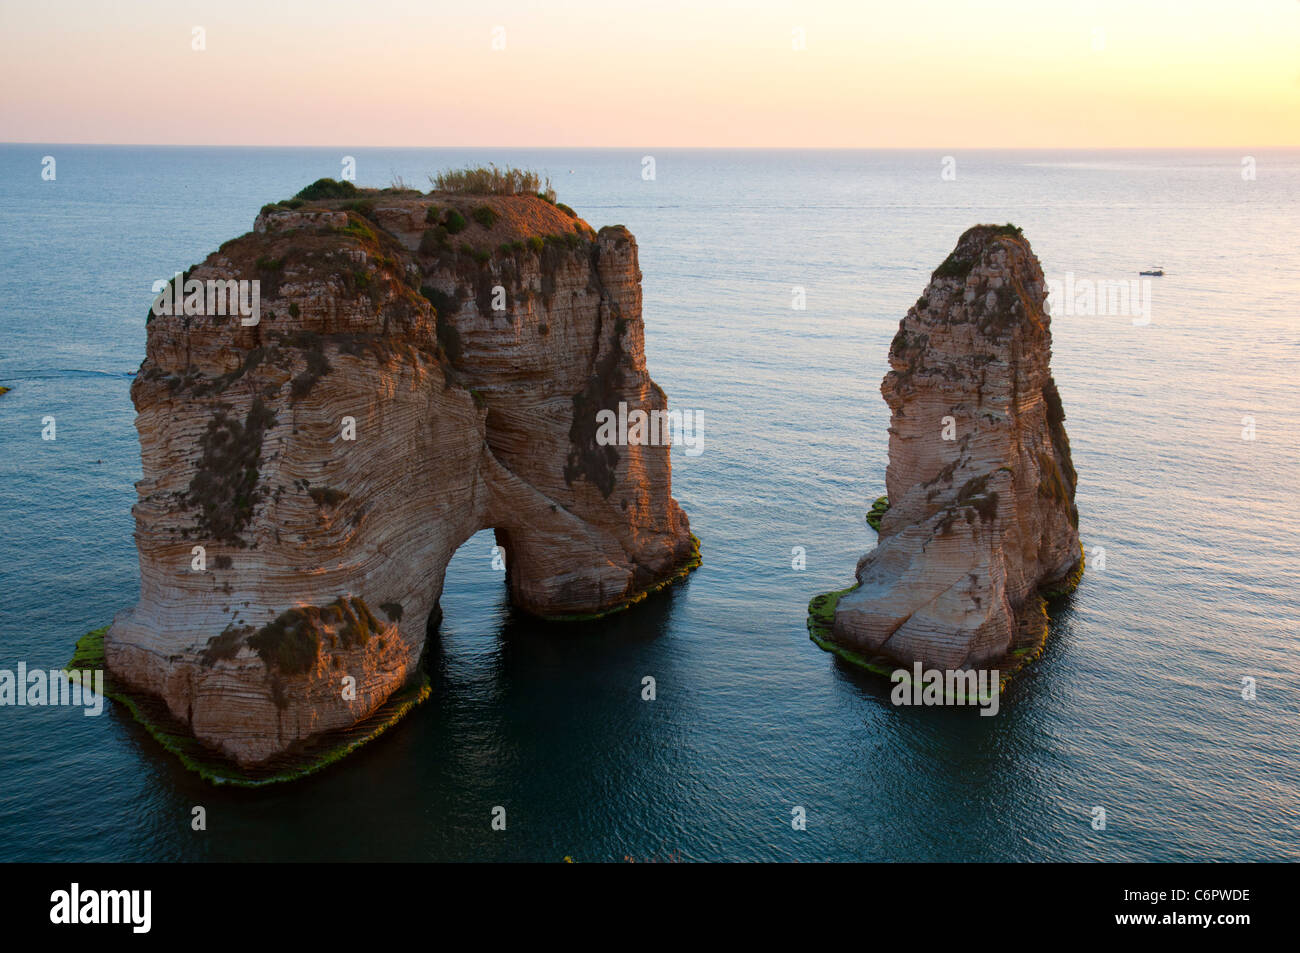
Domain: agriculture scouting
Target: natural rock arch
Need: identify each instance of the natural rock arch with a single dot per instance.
(326, 555)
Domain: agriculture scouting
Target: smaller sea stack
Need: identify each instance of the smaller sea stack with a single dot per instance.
(981, 524)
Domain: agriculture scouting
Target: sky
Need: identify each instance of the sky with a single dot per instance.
(603, 73)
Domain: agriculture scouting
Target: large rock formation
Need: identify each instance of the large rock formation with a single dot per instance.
(471, 341)
(981, 519)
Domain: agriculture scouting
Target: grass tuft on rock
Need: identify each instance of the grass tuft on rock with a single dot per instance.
(488, 180)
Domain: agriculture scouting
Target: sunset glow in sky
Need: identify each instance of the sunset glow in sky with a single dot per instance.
(657, 73)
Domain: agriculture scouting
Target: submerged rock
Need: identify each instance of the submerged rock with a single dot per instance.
(422, 367)
(981, 521)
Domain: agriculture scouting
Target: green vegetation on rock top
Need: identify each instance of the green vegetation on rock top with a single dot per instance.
(327, 189)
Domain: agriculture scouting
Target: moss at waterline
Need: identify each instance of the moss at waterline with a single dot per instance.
(299, 762)
(687, 566)
(821, 616)
(89, 653)
(1026, 648)
(878, 510)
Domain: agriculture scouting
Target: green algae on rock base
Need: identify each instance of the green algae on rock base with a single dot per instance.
(821, 616)
(1027, 647)
(298, 762)
(687, 566)
(878, 510)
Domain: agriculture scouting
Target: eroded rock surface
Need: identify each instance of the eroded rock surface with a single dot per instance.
(325, 556)
(979, 525)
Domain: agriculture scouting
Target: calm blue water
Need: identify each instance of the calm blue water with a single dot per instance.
(1136, 707)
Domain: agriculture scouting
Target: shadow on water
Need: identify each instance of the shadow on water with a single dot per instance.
(525, 637)
(497, 652)
(974, 782)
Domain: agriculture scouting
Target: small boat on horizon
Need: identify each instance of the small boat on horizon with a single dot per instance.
(1154, 272)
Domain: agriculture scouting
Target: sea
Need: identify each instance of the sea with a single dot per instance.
(1160, 724)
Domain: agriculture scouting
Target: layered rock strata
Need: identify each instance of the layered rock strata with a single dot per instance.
(981, 521)
(423, 366)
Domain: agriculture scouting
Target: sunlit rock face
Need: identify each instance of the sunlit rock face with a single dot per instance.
(420, 369)
(980, 482)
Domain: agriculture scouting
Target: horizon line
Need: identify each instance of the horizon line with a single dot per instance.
(758, 148)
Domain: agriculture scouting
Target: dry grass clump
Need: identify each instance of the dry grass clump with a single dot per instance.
(489, 180)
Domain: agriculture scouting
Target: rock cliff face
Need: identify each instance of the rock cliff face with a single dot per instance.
(424, 367)
(981, 517)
